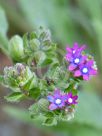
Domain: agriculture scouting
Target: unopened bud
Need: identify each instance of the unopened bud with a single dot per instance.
(43, 105)
(16, 48)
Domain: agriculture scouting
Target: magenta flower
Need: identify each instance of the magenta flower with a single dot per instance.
(74, 50)
(70, 99)
(57, 100)
(75, 61)
(85, 70)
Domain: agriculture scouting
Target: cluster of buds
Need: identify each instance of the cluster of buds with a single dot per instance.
(18, 76)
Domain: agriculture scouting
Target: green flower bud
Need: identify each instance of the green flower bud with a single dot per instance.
(69, 114)
(43, 105)
(40, 57)
(19, 76)
(10, 75)
(34, 44)
(16, 49)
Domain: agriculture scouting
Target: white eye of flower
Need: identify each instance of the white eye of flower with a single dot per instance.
(85, 70)
(58, 101)
(73, 51)
(77, 60)
(70, 100)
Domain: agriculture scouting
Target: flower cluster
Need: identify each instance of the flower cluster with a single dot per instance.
(38, 70)
(60, 100)
(79, 63)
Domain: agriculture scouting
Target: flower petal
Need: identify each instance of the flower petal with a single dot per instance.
(50, 98)
(69, 49)
(57, 93)
(68, 57)
(64, 97)
(75, 97)
(53, 106)
(75, 46)
(83, 59)
(86, 77)
(93, 72)
(74, 102)
(83, 47)
(90, 63)
(77, 73)
(69, 95)
(72, 67)
(61, 105)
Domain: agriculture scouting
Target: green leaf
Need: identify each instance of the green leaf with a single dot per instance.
(34, 110)
(23, 115)
(43, 105)
(52, 121)
(40, 57)
(3, 22)
(46, 62)
(3, 31)
(89, 110)
(76, 129)
(1, 79)
(34, 93)
(30, 83)
(63, 128)
(14, 97)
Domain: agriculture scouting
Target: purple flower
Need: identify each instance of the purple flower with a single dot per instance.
(75, 61)
(85, 70)
(57, 100)
(70, 99)
(73, 51)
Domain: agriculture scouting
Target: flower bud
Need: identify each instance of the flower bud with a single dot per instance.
(34, 44)
(19, 76)
(16, 49)
(43, 105)
(69, 113)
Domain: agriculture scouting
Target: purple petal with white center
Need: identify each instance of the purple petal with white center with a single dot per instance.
(71, 99)
(50, 98)
(72, 67)
(53, 106)
(77, 73)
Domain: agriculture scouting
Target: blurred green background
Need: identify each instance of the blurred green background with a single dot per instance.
(69, 21)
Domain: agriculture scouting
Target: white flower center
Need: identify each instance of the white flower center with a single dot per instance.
(85, 70)
(58, 101)
(77, 60)
(70, 100)
(73, 51)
